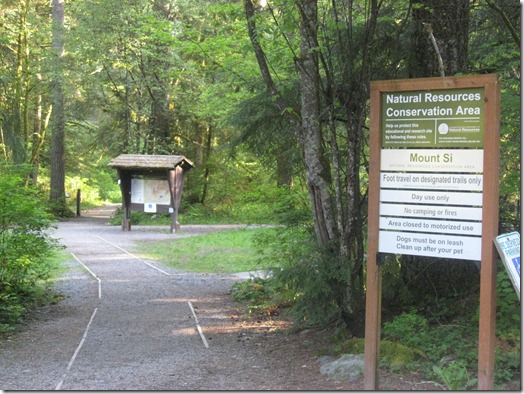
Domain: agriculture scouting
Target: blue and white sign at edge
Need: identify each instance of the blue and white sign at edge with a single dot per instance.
(508, 246)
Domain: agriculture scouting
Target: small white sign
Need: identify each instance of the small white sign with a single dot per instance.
(431, 245)
(417, 180)
(150, 207)
(431, 211)
(432, 160)
(430, 197)
(430, 226)
(508, 246)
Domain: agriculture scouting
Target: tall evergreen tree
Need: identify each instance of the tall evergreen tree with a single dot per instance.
(57, 185)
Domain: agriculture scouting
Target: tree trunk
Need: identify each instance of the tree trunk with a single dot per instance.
(57, 192)
(317, 168)
(207, 168)
(38, 137)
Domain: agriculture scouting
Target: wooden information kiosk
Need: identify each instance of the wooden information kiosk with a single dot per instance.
(151, 183)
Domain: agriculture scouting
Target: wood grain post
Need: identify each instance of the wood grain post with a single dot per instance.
(373, 271)
(490, 217)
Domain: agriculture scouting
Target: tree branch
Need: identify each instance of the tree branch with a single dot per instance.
(506, 20)
(429, 29)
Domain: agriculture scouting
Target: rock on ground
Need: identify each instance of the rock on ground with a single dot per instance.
(347, 367)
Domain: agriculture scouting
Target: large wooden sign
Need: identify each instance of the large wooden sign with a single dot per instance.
(434, 149)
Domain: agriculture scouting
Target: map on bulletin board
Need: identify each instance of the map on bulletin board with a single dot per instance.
(150, 191)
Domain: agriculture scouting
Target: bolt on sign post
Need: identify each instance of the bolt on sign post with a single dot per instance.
(433, 190)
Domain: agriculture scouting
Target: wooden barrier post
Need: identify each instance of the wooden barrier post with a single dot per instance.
(78, 200)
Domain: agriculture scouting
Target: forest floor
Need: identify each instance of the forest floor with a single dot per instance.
(125, 323)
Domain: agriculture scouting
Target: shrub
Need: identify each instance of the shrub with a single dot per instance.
(452, 349)
(25, 247)
(455, 376)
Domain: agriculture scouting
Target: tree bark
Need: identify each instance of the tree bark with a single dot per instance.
(207, 169)
(57, 192)
(317, 168)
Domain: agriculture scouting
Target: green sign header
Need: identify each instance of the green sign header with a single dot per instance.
(433, 119)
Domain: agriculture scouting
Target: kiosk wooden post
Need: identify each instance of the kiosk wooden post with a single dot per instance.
(455, 143)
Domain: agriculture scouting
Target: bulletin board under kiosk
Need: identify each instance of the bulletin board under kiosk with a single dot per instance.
(150, 195)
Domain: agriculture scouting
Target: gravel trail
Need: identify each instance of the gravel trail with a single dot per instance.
(126, 323)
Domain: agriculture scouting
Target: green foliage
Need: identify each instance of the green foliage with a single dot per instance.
(451, 349)
(25, 246)
(260, 296)
(240, 191)
(305, 272)
(11, 311)
(407, 327)
(455, 376)
(251, 289)
(508, 329)
(97, 186)
(396, 356)
(508, 306)
(438, 343)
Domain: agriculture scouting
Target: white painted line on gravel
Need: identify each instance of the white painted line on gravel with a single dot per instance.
(198, 326)
(136, 257)
(59, 385)
(92, 274)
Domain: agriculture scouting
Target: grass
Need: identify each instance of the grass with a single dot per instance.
(220, 252)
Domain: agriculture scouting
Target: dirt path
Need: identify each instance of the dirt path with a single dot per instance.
(130, 324)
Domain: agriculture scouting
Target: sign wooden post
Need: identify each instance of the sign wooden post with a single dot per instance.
(434, 162)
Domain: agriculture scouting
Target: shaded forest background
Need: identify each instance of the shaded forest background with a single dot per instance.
(270, 100)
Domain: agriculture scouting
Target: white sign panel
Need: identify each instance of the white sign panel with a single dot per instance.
(431, 211)
(424, 197)
(432, 160)
(149, 207)
(508, 246)
(416, 180)
(432, 245)
(430, 226)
